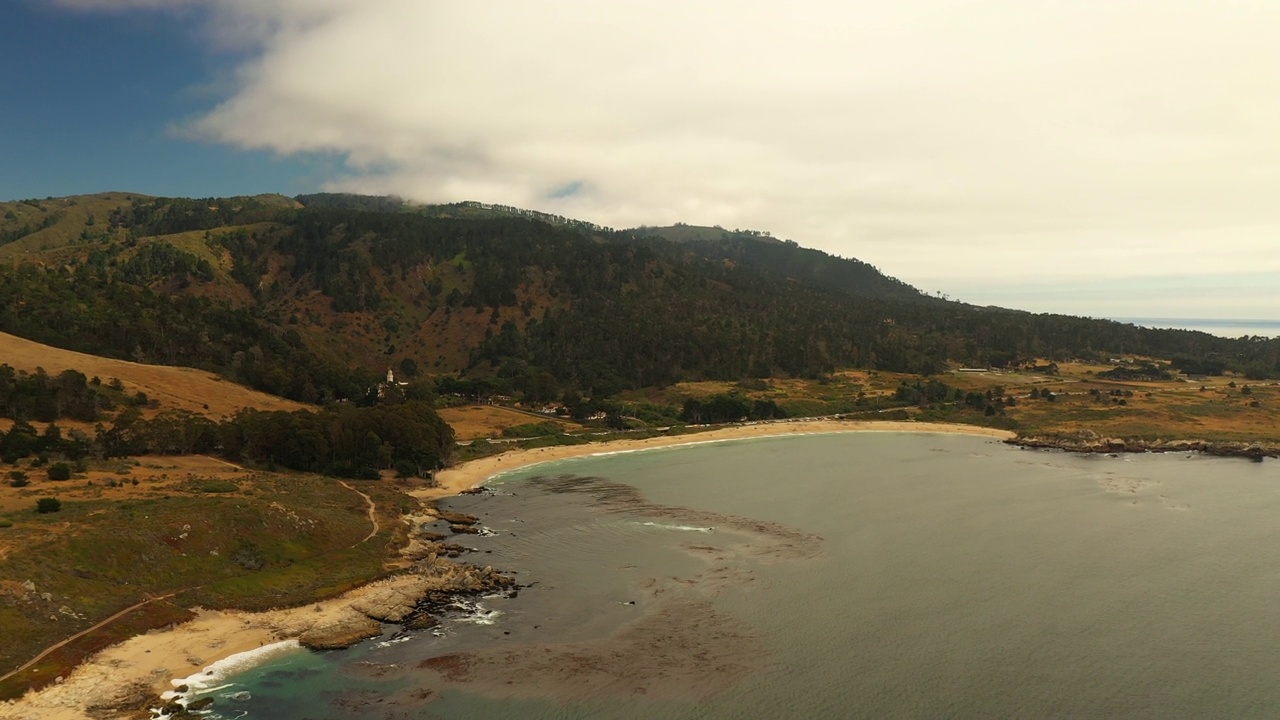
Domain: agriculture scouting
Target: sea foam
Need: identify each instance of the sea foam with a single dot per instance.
(685, 528)
(214, 677)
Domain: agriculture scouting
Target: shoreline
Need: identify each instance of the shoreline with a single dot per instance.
(476, 472)
(135, 672)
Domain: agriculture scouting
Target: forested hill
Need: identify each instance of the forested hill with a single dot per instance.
(786, 260)
(315, 298)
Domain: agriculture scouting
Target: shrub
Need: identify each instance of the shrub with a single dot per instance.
(59, 471)
(219, 486)
(48, 505)
(6, 523)
(249, 556)
(18, 479)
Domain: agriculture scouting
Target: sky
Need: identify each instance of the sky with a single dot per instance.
(1110, 158)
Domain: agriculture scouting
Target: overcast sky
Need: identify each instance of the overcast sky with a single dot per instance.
(1100, 157)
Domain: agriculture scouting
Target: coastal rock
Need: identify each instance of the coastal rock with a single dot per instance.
(414, 598)
(130, 698)
(421, 621)
(464, 529)
(454, 518)
(1080, 442)
(342, 633)
(392, 603)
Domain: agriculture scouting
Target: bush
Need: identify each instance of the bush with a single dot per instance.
(218, 486)
(18, 478)
(6, 523)
(48, 505)
(59, 471)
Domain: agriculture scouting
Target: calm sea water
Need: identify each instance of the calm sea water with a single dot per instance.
(853, 575)
(1227, 328)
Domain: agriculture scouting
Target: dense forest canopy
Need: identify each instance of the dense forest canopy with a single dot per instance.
(315, 298)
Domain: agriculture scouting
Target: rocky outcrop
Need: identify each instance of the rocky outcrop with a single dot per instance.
(1087, 441)
(393, 603)
(342, 633)
(414, 600)
(454, 518)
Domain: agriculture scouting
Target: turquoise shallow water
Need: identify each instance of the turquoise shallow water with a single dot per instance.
(852, 575)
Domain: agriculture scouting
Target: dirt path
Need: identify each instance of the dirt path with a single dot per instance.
(84, 632)
(373, 512)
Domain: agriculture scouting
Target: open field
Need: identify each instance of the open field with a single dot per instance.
(1227, 408)
(1215, 408)
(114, 479)
(472, 422)
(180, 388)
(847, 391)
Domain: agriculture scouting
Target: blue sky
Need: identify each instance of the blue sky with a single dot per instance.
(92, 100)
(1112, 158)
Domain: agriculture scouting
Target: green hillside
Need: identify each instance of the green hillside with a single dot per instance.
(314, 298)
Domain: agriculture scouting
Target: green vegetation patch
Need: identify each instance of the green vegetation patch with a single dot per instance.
(531, 430)
(294, 539)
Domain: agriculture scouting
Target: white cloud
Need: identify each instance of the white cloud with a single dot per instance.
(938, 139)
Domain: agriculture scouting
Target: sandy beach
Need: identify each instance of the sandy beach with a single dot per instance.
(466, 476)
(144, 666)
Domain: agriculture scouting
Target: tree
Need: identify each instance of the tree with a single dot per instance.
(48, 505)
(408, 368)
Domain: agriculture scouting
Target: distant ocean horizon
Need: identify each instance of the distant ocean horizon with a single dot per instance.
(1222, 327)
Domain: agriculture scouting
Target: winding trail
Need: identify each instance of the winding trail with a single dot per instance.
(82, 633)
(373, 512)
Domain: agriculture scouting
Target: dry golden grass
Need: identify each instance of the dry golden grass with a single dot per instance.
(1160, 412)
(114, 480)
(1151, 409)
(199, 391)
(471, 422)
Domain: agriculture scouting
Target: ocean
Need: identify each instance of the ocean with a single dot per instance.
(844, 575)
(1227, 328)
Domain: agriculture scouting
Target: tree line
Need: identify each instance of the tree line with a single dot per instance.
(344, 440)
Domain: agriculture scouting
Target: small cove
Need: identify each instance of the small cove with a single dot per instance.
(854, 575)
